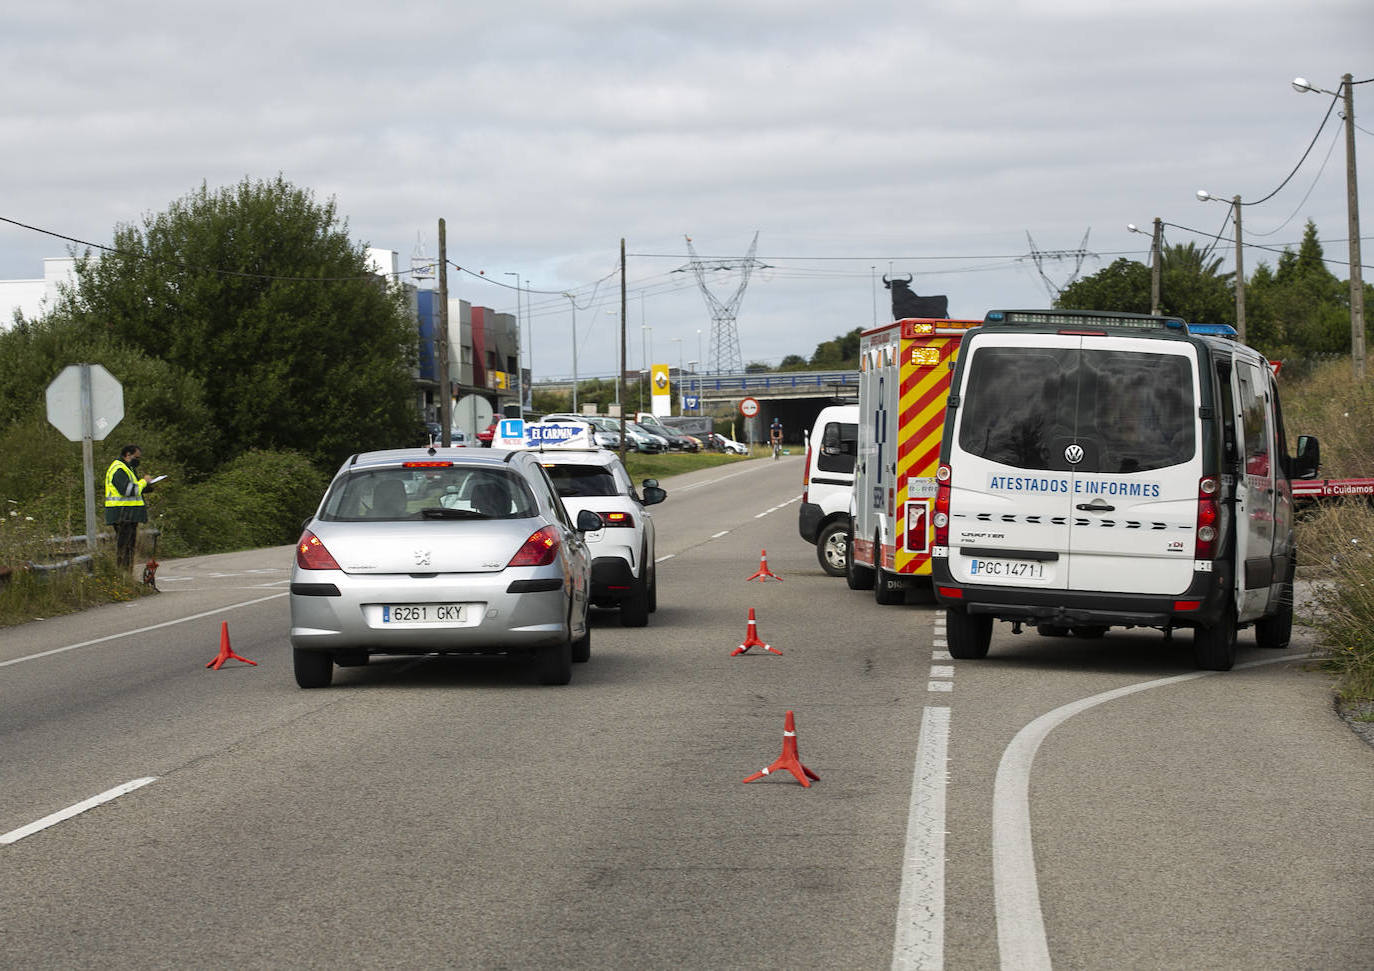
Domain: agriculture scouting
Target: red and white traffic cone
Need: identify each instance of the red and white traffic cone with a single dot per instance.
(751, 639)
(226, 653)
(763, 573)
(789, 759)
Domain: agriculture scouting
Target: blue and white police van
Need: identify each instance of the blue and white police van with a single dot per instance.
(1115, 470)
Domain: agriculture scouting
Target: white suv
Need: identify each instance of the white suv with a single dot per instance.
(622, 551)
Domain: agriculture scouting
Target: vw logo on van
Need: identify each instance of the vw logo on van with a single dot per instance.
(1074, 454)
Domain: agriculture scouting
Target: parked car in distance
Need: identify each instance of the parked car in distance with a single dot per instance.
(644, 440)
(623, 551)
(456, 436)
(485, 436)
(722, 444)
(417, 551)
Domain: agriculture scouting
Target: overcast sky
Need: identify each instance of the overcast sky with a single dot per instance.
(855, 139)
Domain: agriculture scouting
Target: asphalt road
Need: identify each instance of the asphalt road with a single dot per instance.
(1067, 802)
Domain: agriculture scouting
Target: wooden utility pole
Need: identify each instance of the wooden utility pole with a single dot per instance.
(1353, 214)
(1156, 267)
(620, 374)
(441, 345)
(1240, 274)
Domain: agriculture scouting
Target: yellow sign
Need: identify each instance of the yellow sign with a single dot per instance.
(660, 378)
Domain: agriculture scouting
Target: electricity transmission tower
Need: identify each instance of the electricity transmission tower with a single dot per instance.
(1077, 255)
(724, 355)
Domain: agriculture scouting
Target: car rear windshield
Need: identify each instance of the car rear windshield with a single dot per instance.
(445, 492)
(575, 481)
(1129, 411)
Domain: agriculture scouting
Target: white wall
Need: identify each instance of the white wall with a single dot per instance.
(34, 297)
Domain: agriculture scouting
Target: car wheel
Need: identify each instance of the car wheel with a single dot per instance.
(582, 647)
(969, 634)
(856, 577)
(314, 669)
(1214, 648)
(653, 588)
(634, 608)
(888, 588)
(555, 663)
(1276, 631)
(832, 548)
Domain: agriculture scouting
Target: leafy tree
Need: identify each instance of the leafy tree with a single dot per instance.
(792, 362)
(1300, 308)
(257, 293)
(839, 353)
(1122, 286)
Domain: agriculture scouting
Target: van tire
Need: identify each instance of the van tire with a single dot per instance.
(1214, 648)
(888, 588)
(1276, 631)
(857, 577)
(969, 634)
(832, 548)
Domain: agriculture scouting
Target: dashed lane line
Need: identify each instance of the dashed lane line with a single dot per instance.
(15, 835)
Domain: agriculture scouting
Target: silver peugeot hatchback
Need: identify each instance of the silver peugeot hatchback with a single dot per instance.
(416, 551)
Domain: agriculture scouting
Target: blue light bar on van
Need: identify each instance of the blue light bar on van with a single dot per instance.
(1216, 330)
(1081, 318)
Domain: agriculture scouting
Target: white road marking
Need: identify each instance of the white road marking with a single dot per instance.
(14, 835)
(720, 534)
(665, 556)
(920, 936)
(942, 670)
(940, 686)
(141, 630)
(1020, 923)
(941, 656)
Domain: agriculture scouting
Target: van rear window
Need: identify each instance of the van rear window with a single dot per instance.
(839, 446)
(1130, 411)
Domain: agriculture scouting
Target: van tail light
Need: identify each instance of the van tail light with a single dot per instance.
(617, 519)
(311, 554)
(539, 550)
(940, 520)
(1208, 518)
(806, 472)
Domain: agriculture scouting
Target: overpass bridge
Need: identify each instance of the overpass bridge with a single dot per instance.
(796, 397)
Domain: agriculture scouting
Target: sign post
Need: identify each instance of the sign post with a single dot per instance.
(85, 403)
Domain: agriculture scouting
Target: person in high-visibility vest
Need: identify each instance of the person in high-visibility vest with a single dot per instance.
(124, 506)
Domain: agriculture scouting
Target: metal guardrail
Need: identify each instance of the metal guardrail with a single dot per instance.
(768, 381)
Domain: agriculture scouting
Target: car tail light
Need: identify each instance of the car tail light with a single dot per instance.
(1208, 516)
(940, 520)
(426, 465)
(539, 550)
(617, 519)
(311, 554)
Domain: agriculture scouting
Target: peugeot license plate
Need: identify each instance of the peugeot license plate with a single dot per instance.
(399, 615)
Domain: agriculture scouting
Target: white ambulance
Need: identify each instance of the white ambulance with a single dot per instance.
(1115, 470)
(904, 374)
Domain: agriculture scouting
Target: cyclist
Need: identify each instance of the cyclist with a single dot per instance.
(775, 437)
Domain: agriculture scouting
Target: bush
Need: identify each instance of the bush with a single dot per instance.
(1342, 544)
(259, 499)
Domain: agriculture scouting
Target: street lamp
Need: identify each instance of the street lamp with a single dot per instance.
(699, 355)
(1205, 196)
(573, 303)
(615, 356)
(680, 369)
(1155, 269)
(644, 340)
(519, 377)
(1353, 215)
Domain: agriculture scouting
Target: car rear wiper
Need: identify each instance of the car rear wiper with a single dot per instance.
(441, 512)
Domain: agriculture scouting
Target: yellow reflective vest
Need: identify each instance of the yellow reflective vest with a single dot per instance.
(113, 497)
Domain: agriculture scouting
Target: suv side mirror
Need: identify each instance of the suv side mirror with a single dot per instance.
(1308, 459)
(653, 495)
(650, 483)
(588, 521)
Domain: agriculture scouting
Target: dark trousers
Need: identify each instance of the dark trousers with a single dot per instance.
(126, 535)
